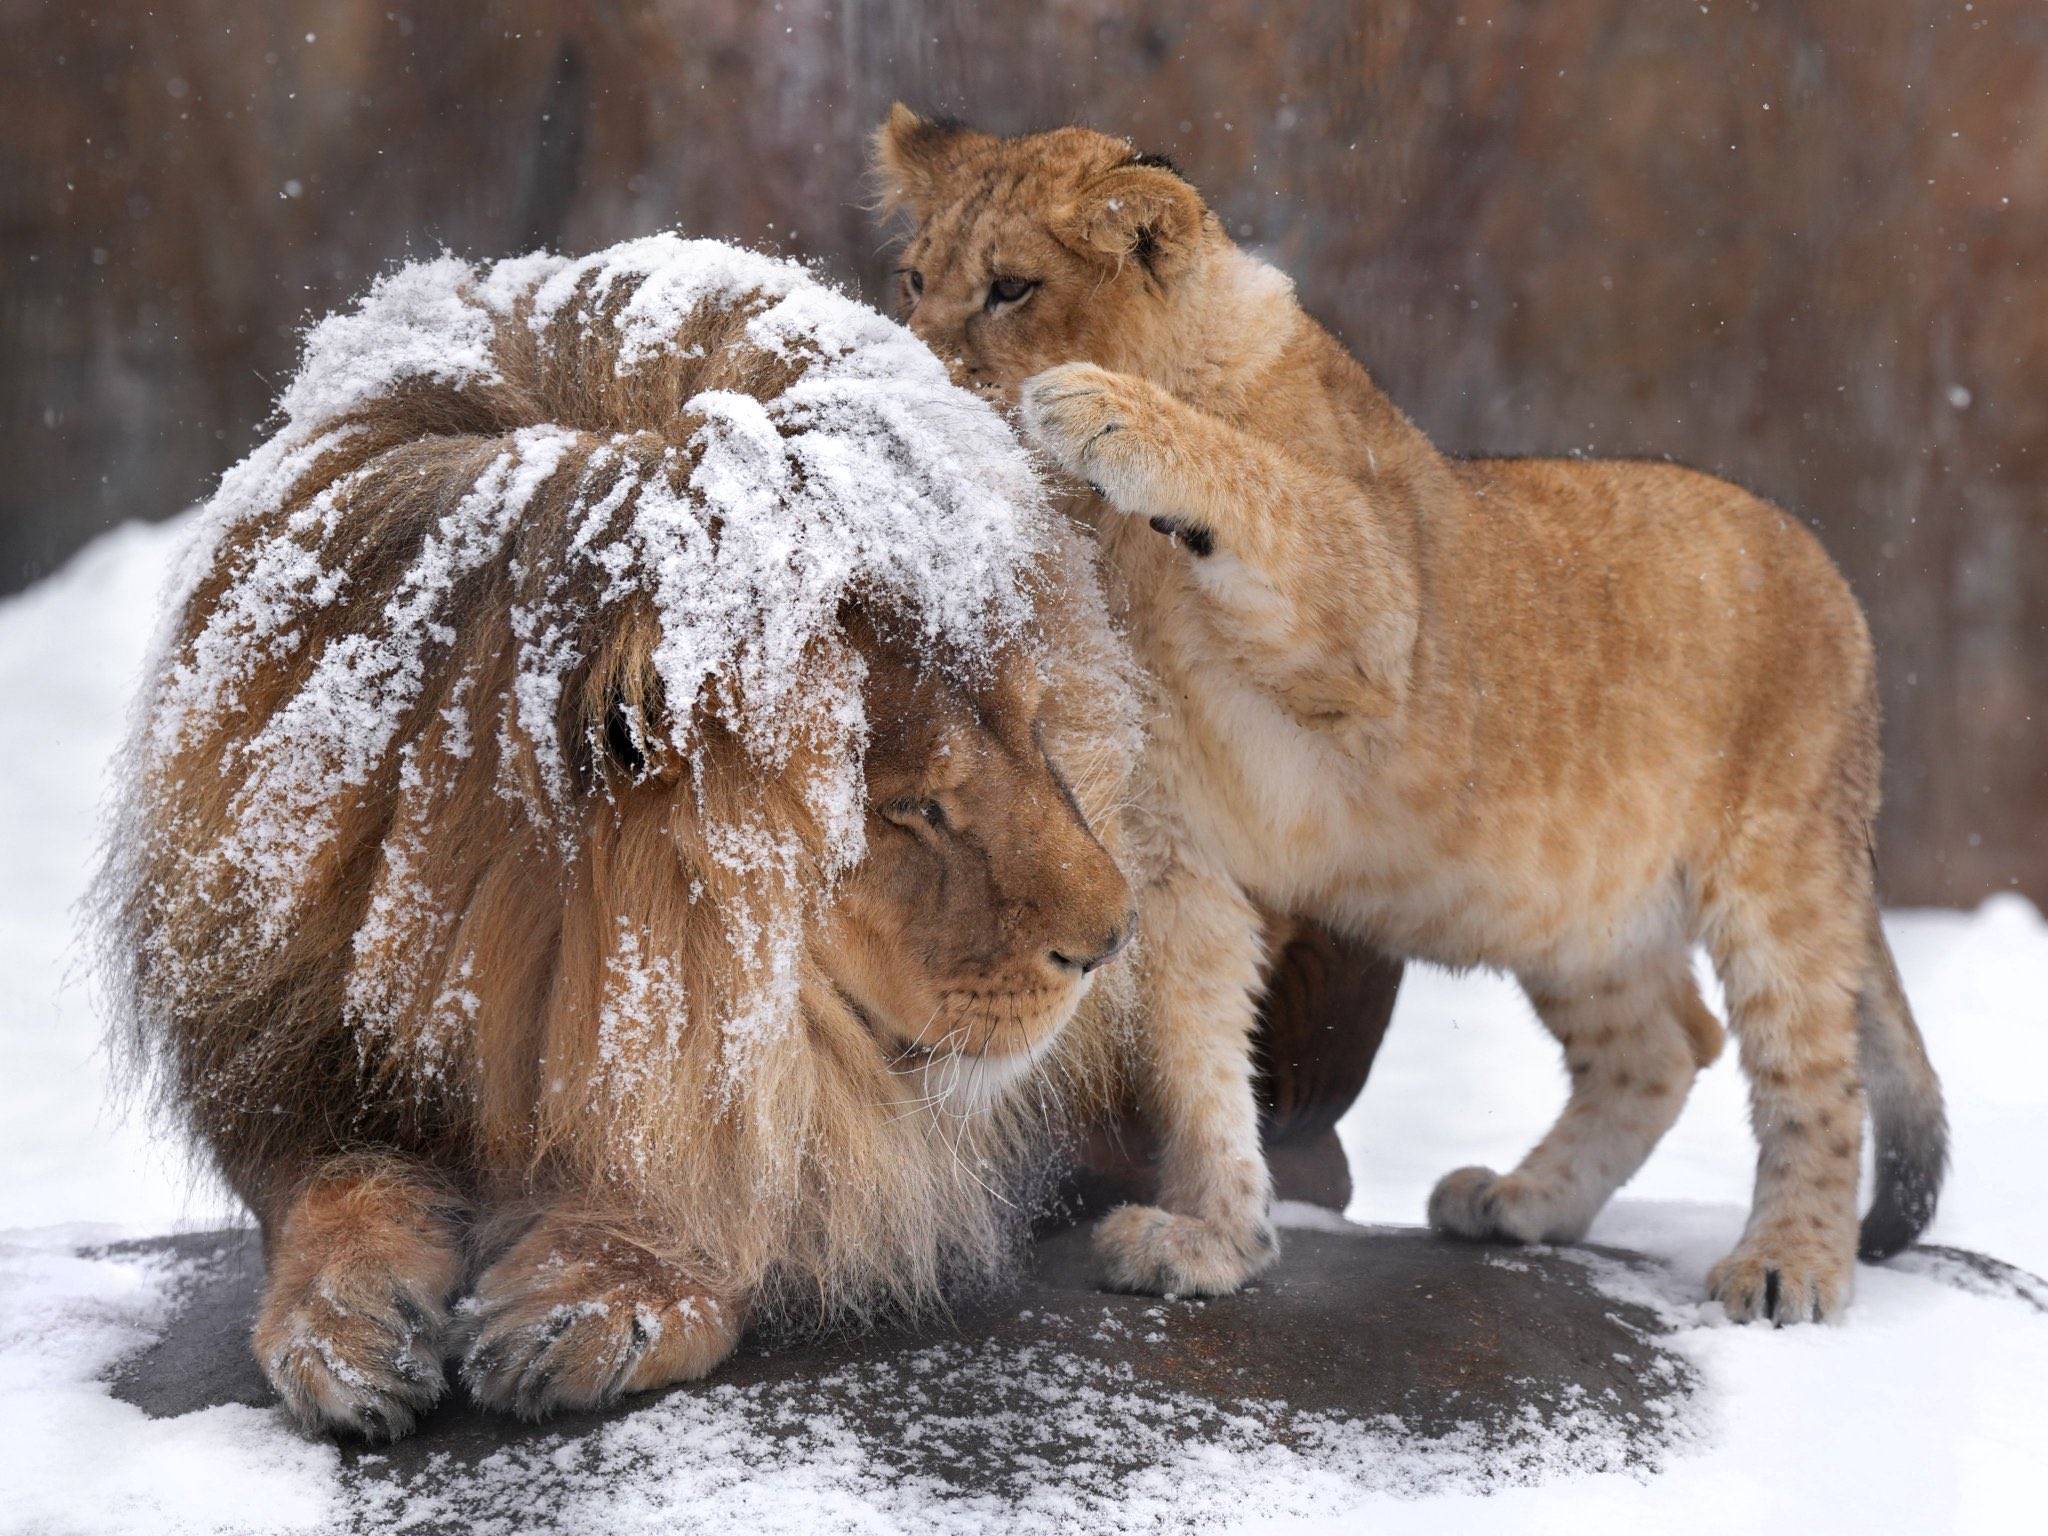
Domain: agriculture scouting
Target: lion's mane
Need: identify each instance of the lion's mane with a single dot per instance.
(384, 875)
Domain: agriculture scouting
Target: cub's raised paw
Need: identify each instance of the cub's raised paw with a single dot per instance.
(1784, 1278)
(1160, 1253)
(1086, 419)
(361, 1353)
(1068, 410)
(1485, 1206)
(572, 1318)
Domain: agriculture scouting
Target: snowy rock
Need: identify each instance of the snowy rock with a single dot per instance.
(1379, 1356)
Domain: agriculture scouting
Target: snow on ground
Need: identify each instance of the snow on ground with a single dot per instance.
(1925, 1411)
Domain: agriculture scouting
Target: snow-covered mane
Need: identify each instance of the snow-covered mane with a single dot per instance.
(530, 535)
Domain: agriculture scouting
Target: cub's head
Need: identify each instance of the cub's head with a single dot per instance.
(1068, 246)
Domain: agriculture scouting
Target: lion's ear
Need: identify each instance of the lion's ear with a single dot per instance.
(1143, 211)
(625, 724)
(628, 740)
(628, 735)
(914, 157)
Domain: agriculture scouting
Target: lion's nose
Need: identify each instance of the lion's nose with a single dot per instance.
(1111, 946)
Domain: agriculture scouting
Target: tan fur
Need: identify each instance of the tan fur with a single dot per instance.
(356, 1302)
(1559, 717)
(580, 1309)
(868, 1152)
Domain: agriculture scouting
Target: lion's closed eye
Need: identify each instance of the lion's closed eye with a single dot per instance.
(918, 812)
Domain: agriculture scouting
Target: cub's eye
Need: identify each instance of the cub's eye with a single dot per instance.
(913, 810)
(913, 281)
(1010, 290)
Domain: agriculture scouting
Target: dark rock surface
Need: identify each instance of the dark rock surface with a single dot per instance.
(1508, 1353)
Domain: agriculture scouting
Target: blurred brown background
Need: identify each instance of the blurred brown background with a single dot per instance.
(1804, 245)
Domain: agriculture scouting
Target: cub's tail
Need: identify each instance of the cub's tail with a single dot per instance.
(1906, 1115)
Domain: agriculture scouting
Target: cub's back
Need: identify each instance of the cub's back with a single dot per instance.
(1631, 574)
(1630, 649)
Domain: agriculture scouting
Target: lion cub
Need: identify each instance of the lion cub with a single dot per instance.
(1562, 717)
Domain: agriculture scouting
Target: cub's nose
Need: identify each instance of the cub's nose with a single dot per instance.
(1111, 946)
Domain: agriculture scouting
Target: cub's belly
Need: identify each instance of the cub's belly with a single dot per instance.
(1452, 868)
(1511, 884)
(1465, 912)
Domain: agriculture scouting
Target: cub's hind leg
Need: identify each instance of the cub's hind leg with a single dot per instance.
(352, 1328)
(1788, 942)
(1633, 1041)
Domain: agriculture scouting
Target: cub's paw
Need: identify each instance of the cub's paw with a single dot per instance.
(574, 1319)
(1090, 422)
(1159, 1253)
(358, 1352)
(1070, 409)
(1784, 1277)
(1485, 1206)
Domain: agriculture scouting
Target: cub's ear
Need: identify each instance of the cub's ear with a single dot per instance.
(1141, 210)
(914, 157)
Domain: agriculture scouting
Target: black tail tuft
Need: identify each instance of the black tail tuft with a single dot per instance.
(1909, 1172)
(1906, 1115)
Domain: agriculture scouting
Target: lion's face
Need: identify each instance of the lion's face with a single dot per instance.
(1028, 252)
(973, 927)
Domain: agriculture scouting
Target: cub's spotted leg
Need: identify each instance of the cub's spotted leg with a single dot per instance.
(353, 1324)
(1632, 1042)
(580, 1311)
(1789, 962)
(1212, 1230)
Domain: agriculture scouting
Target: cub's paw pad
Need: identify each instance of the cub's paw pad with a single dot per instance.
(1781, 1281)
(553, 1334)
(369, 1365)
(1485, 1206)
(1071, 411)
(1160, 1253)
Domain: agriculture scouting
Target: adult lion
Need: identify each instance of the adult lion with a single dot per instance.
(610, 838)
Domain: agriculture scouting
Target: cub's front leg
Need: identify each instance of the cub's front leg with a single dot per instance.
(1212, 1229)
(1313, 587)
(581, 1310)
(1122, 435)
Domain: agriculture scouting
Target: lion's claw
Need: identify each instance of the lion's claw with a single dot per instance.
(1070, 411)
(572, 1319)
(1783, 1279)
(371, 1366)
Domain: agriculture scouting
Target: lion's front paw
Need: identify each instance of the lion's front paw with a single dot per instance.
(1785, 1277)
(572, 1319)
(1480, 1204)
(1160, 1253)
(354, 1353)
